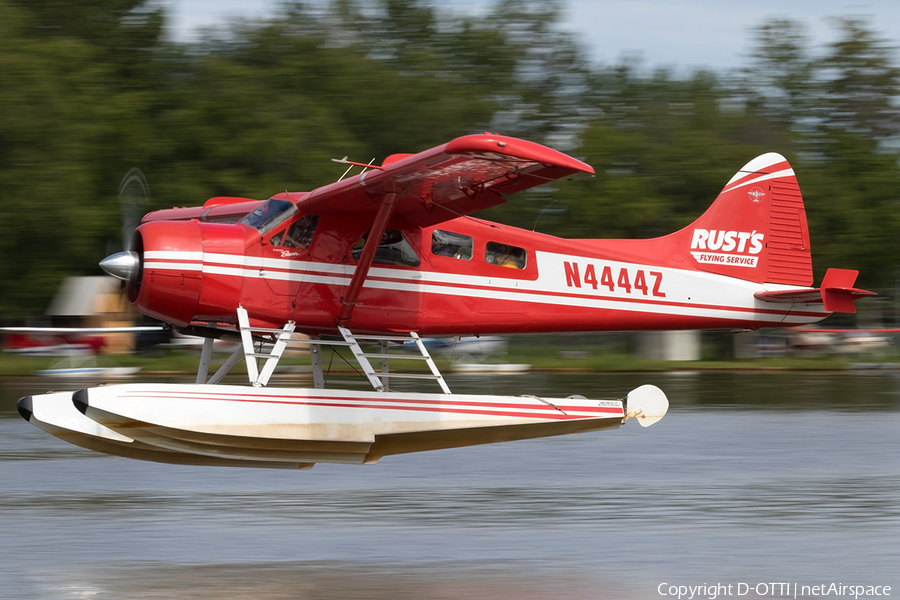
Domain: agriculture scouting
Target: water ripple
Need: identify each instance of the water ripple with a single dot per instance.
(871, 501)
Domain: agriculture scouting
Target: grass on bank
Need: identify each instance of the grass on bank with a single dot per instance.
(540, 357)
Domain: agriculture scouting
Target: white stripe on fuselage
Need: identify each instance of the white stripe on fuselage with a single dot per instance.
(686, 293)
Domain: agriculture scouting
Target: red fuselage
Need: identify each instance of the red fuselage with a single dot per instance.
(201, 272)
(393, 249)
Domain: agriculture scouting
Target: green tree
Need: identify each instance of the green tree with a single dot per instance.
(90, 90)
(842, 111)
(52, 94)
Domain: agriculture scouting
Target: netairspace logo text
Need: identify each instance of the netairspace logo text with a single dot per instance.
(773, 590)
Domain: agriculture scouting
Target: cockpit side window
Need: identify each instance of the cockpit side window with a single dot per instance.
(298, 235)
(393, 250)
(269, 215)
(504, 255)
(454, 245)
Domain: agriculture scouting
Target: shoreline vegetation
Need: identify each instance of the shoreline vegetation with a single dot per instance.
(172, 363)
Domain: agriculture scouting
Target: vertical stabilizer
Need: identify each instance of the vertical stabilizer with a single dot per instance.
(756, 228)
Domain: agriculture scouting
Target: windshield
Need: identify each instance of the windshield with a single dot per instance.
(269, 215)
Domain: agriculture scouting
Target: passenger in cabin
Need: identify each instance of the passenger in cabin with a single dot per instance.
(393, 249)
(505, 259)
(452, 245)
(505, 256)
(444, 250)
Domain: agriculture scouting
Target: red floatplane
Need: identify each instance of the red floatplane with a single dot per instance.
(392, 254)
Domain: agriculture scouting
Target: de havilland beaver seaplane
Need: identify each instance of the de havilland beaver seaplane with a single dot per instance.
(392, 254)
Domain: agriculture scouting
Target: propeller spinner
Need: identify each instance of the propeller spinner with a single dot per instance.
(122, 265)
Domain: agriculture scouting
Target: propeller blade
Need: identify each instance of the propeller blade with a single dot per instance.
(134, 198)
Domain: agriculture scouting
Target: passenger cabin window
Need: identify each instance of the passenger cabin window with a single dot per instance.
(504, 255)
(393, 250)
(268, 216)
(297, 235)
(454, 245)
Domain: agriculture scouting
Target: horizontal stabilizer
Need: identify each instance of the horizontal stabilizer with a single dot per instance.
(804, 296)
(837, 292)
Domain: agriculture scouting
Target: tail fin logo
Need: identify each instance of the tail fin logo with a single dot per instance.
(728, 247)
(756, 194)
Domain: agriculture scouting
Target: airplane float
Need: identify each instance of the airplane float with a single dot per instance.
(392, 254)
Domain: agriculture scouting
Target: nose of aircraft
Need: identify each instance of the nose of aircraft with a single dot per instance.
(164, 271)
(122, 265)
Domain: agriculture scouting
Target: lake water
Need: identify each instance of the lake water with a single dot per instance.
(753, 478)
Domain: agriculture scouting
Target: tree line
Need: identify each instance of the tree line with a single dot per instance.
(91, 89)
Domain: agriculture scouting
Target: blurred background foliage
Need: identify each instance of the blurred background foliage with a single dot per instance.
(90, 89)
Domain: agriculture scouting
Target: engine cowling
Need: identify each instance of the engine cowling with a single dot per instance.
(167, 283)
(183, 271)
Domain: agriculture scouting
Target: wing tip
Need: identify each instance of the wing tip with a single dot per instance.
(516, 148)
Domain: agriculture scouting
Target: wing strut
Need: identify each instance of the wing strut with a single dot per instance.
(367, 256)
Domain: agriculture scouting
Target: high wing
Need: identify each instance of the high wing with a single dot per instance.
(458, 178)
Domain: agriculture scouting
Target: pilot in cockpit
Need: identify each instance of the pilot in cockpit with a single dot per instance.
(298, 235)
